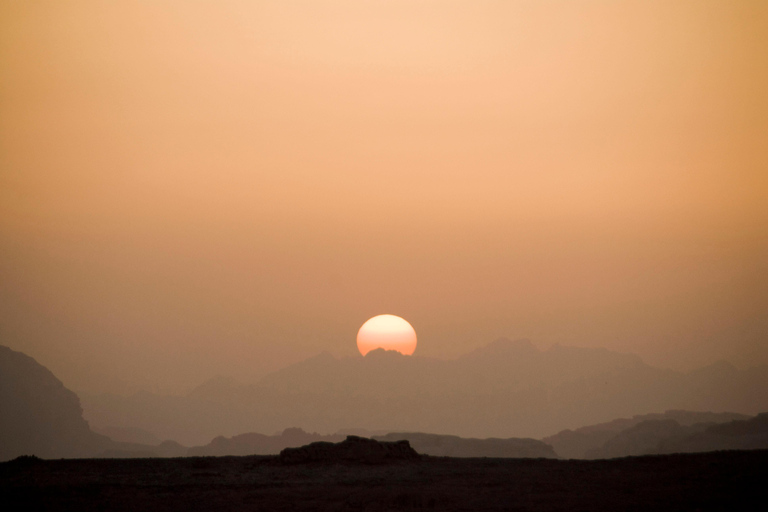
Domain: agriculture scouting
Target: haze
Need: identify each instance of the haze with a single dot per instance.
(192, 189)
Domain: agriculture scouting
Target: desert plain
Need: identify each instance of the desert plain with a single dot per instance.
(732, 480)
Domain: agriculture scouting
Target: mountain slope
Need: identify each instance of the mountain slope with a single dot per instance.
(39, 415)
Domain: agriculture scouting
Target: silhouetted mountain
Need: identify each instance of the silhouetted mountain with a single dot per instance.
(576, 444)
(41, 417)
(453, 446)
(38, 415)
(505, 389)
(259, 444)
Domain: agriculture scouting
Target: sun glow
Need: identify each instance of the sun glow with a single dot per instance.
(389, 332)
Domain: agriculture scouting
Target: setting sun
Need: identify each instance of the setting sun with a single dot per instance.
(389, 332)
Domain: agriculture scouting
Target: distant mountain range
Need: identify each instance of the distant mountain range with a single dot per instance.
(41, 417)
(505, 389)
(605, 439)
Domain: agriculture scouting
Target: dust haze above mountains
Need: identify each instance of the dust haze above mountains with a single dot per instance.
(192, 189)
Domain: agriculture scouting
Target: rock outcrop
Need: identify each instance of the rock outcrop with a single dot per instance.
(353, 449)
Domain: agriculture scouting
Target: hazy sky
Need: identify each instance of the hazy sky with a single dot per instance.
(194, 188)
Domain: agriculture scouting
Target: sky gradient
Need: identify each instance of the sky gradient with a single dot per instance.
(191, 189)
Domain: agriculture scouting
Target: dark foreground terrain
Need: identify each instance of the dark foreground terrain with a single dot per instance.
(704, 481)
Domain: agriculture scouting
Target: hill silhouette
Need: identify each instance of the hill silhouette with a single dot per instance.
(505, 389)
(352, 449)
(39, 415)
(260, 444)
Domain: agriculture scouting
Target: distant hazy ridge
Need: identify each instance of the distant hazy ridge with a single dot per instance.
(506, 389)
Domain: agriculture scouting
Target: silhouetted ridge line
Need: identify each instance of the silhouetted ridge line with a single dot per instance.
(260, 444)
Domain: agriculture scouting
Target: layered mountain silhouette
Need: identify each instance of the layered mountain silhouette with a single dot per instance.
(505, 389)
(42, 417)
(656, 434)
(585, 442)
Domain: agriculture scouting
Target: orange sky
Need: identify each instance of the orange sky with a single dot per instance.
(224, 187)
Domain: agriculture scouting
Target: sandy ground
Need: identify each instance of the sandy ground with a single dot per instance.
(710, 481)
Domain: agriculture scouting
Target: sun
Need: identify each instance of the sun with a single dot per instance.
(389, 332)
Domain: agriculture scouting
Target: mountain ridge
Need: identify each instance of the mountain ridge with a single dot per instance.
(505, 389)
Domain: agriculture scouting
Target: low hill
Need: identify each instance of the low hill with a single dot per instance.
(260, 444)
(352, 449)
(454, 446)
